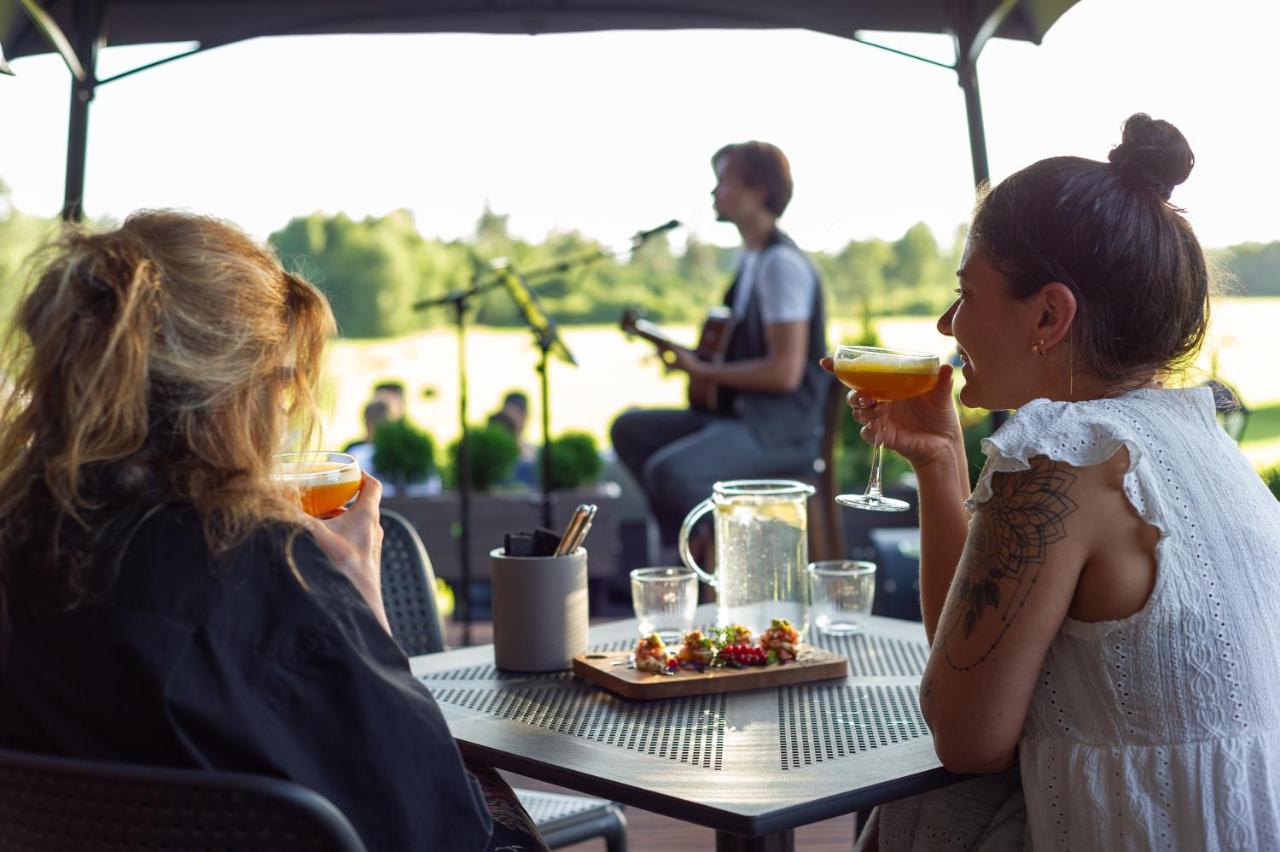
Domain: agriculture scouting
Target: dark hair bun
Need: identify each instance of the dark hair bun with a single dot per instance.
(1153, 153)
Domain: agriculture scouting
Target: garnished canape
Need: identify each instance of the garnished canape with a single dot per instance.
(781, 639)
(651, 654)
(697, 649)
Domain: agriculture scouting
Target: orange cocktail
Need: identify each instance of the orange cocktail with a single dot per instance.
(886, 380)
(322, 482)
(884, 375)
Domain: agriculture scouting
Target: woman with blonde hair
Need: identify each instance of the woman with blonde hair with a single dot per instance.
(1103, 617)
(161, 600)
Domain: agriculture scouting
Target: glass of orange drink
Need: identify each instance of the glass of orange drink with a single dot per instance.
(322, 481)
(884, 375)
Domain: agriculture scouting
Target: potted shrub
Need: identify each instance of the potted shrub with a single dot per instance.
(493, 452)
(403, 455)
(575, 461)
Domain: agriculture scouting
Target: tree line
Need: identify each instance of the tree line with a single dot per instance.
(374, 271)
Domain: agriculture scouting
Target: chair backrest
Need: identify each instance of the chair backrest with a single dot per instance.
(1232, 413)
(77, 805)
(826, 536)
(408, 588)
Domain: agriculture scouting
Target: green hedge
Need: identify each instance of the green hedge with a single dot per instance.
(402, 453)
(1271, 476)
(493, 452)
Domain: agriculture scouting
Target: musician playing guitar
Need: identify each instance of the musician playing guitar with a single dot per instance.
(765, 419)
(713, 345)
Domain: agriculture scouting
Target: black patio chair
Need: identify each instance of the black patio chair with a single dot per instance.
(408, 595)
(826, 530)
(1232, 413)
(58, 804)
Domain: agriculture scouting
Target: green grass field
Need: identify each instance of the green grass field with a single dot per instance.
(1261, 443)
(615, 372)
(1263, 426)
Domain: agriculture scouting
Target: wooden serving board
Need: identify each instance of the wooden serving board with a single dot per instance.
(613, 671)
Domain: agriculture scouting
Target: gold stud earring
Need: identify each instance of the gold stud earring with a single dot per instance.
(1038, 347)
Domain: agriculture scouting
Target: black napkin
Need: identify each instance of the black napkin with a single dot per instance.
(540, 542)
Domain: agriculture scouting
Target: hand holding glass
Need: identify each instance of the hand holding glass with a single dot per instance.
(884, 375)
(322, 482)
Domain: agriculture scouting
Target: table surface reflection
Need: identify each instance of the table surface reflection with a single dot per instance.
(748, 763)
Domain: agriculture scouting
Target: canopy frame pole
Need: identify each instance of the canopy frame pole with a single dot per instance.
(967, 72)
(183, 55)
(54, 36)
(90, 33)
(970, 33)
(81, 58)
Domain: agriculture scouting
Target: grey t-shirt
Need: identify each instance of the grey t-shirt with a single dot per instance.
(785, 281)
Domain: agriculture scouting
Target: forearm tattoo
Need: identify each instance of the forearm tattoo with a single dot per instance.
(1008, 543)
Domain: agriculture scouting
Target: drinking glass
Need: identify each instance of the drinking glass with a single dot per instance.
(842, 591)
(321, 481)
(884, 375)
(664, 601)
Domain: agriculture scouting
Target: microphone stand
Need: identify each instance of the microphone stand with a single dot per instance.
(459, 300)
(547, 339)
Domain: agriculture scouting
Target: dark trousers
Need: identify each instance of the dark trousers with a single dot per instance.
(678, 454)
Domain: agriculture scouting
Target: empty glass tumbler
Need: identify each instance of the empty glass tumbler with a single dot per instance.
(841, 594)
(665, 600)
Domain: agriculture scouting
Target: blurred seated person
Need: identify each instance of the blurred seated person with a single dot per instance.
(512, 416)
(162, 601)
(376, 413)
(391, 393)
(769, 418)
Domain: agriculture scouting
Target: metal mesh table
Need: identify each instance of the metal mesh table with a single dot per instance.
(752, 765)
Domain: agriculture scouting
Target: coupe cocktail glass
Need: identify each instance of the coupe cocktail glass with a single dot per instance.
(322, 481)
(885, 375)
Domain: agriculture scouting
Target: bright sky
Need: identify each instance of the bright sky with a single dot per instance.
(611, 132)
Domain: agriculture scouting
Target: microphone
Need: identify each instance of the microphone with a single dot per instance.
(641, 236)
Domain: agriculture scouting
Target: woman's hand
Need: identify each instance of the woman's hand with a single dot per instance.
(352, 539)
(922, 429)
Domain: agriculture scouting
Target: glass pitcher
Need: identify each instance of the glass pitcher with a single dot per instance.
(762, 548)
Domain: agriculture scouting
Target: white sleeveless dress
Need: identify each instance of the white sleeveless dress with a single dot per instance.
(1160, 730)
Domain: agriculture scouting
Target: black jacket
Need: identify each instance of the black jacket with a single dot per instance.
(233, 664)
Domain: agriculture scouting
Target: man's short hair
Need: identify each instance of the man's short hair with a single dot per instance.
(394, 387)
(518, 399)
(377, 412)
(760, 166)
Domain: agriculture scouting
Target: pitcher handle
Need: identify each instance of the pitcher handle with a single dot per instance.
(685, 555)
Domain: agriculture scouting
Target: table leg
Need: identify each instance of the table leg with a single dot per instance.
(780, 841)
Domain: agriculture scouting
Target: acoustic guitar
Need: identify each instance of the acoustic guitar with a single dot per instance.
(713, 345)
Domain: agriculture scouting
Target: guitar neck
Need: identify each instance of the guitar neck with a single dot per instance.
(653, 334)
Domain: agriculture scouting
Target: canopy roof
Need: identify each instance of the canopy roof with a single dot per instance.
(217, 22)
(75, 29)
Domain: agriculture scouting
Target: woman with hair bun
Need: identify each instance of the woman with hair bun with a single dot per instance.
(161, 600)
(1103, 617)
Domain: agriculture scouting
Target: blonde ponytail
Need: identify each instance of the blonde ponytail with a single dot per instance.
(150, 365)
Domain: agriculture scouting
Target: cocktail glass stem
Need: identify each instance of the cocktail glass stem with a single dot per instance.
(873, 484)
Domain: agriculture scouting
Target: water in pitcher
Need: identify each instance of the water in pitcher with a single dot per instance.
(763, 546)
